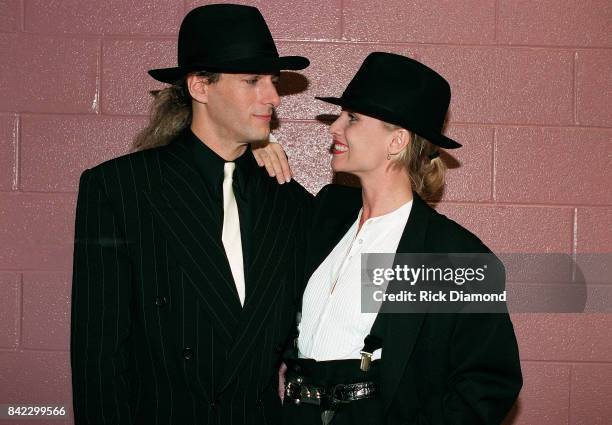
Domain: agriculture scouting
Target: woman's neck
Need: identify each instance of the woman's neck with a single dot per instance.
(383, 194)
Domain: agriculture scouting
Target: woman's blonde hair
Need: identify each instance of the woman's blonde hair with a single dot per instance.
(170, 114)
(425, 168)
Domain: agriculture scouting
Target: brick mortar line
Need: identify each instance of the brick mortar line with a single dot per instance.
(172, 37)
(494, 166)
(527, 205)
(310, 120)
(20, 309)
(342, 20)
(575, 87)
(22, 7)
(307, 120)
(96, 106)
(42, 192)
(569, 48)
(33, 350)
(443, 202)
(555, 284)
(33, 271)
(16, 152)
(574, 244)
(495, 21)
(568, 362)
(569, 394)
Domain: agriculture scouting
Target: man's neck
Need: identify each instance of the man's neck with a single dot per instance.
(226, 149)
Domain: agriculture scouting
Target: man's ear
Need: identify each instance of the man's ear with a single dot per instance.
(399, 140)
(198, 86)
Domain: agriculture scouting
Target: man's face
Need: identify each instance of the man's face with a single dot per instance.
(240, 106)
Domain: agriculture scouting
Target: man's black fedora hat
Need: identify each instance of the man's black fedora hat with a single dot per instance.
(226, 38)
(401, 91)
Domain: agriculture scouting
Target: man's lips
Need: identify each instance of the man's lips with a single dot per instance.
(266, 118)
(339, 148)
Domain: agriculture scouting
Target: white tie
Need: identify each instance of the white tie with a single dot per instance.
(231, 230)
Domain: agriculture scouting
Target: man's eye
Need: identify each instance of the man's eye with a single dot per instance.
(252, 81)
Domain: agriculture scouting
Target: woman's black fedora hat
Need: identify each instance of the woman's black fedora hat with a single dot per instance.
(226, 38)
(401, 91)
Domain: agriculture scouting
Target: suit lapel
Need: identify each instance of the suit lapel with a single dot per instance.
(181, 204)
(273, 224)
(402, 329)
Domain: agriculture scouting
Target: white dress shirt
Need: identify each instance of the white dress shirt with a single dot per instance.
(332, 326)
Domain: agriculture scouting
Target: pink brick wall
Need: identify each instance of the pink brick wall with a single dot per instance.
(531, 103)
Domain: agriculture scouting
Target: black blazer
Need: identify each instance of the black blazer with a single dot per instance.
(435, 368)
(158, 332)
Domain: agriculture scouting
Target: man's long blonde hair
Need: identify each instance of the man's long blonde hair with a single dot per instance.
(170, 113)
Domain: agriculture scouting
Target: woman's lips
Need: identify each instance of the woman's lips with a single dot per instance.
(339, 148)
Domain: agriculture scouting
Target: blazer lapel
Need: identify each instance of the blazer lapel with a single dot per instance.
(181, 205)
(273, 224)
(402, 329)
(333, 217)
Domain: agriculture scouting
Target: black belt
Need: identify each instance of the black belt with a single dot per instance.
(327, 396)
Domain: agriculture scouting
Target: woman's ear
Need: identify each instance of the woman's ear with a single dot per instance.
(399, 140)
(198, 86)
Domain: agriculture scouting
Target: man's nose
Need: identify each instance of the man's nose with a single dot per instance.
(271, 96)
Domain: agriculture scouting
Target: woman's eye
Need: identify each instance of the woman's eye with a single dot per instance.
(352, 117)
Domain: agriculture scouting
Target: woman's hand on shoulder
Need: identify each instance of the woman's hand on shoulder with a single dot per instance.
(270, 154)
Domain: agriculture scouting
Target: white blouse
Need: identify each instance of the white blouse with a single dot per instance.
(332, 326)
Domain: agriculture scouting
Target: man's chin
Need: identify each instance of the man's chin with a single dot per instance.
(258, 138)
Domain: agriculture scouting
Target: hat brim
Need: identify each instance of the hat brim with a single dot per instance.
(383, 114)
(257, 65)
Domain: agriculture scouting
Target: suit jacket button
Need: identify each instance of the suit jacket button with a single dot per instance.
(187, 353)
(214, 405)
(160, 301)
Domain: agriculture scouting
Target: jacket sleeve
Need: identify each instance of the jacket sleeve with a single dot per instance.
(484, 372)
(486, 376)
(100, 320)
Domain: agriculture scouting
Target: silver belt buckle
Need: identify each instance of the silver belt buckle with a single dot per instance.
(327, 416)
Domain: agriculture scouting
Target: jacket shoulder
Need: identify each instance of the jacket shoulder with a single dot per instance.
(451, 236)
(132, 171)
(298, 193)
(335, 193)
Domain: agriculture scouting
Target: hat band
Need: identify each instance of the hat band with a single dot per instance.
(228, 54)
(410, 119)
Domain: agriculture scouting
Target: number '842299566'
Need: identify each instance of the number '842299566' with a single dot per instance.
(36, 411)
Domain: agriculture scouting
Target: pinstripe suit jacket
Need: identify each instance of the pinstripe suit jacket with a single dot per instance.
(158, 332)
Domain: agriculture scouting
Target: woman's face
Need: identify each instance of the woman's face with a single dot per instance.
(359, 143)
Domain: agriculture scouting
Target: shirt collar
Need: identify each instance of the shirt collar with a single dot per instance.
(210, 165)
